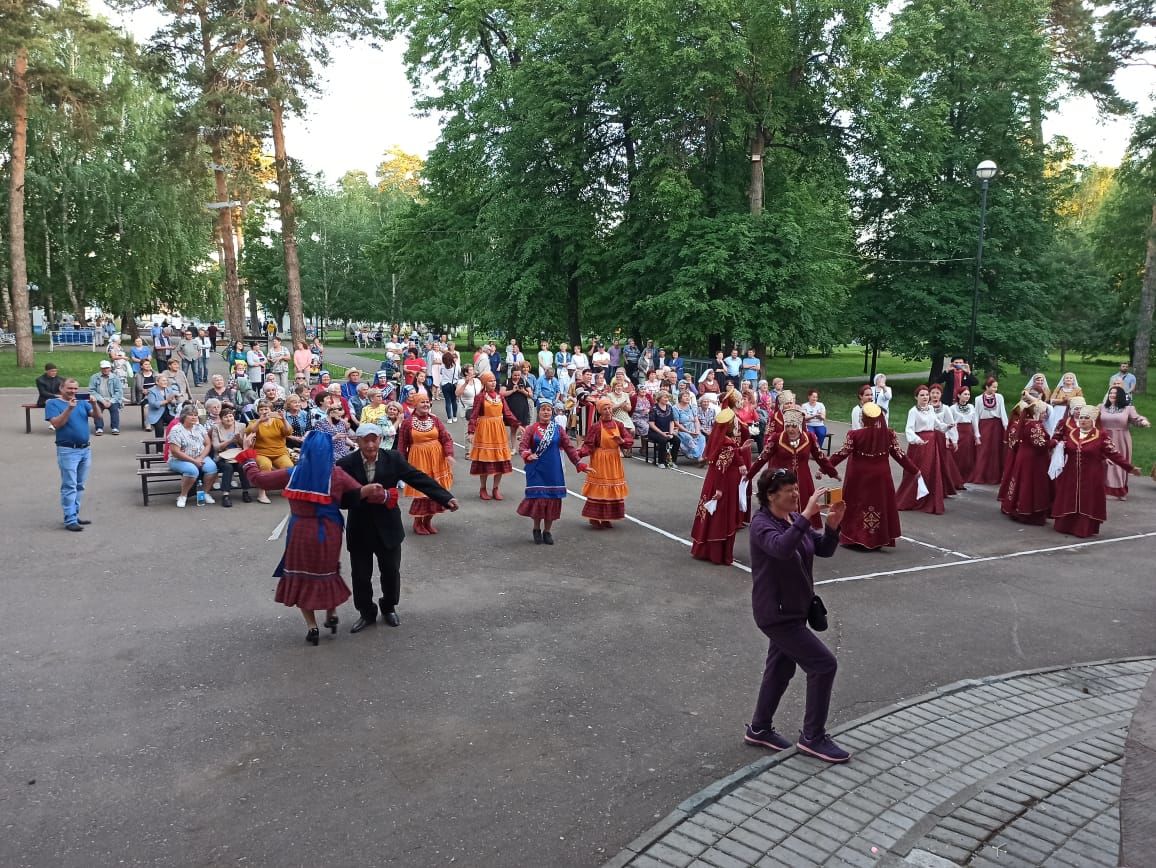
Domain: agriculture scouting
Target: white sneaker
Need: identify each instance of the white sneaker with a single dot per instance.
(181, 502)
(209, 498)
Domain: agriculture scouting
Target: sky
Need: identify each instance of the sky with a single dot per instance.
(366, 106)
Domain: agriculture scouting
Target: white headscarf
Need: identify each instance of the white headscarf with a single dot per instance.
(1047, 390)
(1075, 382)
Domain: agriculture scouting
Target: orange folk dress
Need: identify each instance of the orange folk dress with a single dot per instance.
(426, 445)
(605, 488)
(488, 420)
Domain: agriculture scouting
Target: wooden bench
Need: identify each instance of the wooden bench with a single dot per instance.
(156, 444)
(147, 459)
(28, 408)
(150, 475)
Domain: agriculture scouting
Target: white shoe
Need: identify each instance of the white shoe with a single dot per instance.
(216, 486)
(181, 502)
(209, 498)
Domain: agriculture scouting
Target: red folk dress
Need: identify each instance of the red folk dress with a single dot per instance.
(989, 454)
(780, 452)
(1080, 506)
(1026, 492)
(426, 445)
(310, 571)
(713, 534)
(872, 518)
(932, 460)
(605, 487)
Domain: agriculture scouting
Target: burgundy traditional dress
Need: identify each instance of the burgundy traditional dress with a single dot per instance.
(966, 420)
(927, 449)
(872, 519)
(1025, 494)
(1080, 506)
(1114, 423)
(954, 483)
(713, 534)
(989, 454)
(310, 570)
(781, 453)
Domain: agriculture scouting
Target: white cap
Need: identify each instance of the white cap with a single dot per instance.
(368, 430)
(105, 363)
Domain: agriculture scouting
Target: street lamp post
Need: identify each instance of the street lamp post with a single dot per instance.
(985, 171)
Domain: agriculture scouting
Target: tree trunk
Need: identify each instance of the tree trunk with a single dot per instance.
(1143, 343)
(128, 324)
(18, 265)
(234, 299)
(866, 355)
(1063, 355)
(874, 359)
(755, 191)
(284, 194)
(66, 257)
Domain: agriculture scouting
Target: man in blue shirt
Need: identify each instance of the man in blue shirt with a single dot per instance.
(734, 366)
(547, 389)
(1126, 377)
(752, 367)
(73, 454)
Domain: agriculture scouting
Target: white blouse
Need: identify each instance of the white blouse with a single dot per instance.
(999, 412)
(881, 395)
(856, 418)
(922, 420)
(580, 362)
(965, 416)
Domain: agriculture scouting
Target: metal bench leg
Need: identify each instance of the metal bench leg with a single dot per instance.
(27, 420)
(144, 489)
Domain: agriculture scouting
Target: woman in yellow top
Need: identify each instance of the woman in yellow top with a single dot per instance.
(271, 445)
(605, 488)
(489, 450)
(1067, 389)
(373, 412)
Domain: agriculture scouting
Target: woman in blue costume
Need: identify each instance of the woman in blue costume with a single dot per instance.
(542, 446)
(310, 570)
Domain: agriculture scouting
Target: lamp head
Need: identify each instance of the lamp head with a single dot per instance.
(986, 170)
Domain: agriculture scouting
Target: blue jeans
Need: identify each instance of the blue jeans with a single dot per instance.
(187, 468)
(820, 432)
(113, 416)
(73, 464)
(189, 368)
(203, 370)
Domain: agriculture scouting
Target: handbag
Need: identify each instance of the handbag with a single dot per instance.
(817, 614)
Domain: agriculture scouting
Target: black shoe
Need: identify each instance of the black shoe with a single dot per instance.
(537, 537)
(313, 636)
(226, 501)
(246, 497)
(362, 623)
(547, 538)
(73, 527)
(391, 619)
(83, 521)
(332, 623)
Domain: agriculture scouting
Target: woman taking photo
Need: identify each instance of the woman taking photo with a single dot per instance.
(783, 549)
(519, 395)
(542, 447)
(489, 450)
(426, 444)
(189, 455)
(991, 421)
(605, 488)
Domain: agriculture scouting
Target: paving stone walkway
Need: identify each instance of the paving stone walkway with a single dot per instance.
(1016, 770)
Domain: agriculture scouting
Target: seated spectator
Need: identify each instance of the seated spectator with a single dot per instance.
(272, 433)
(709, 385)
(219, 390)
(164, 400)
(662, 432)
(352, 381)
(298, 418)
(360, 400)
(324, 380)
(107, 397)
(706, 413)
(374, 411)
(48, 384)
(640, 415)
(333, 423)
(225, 433)
(144, 380)
(271, 392)
(177, 378)
(189, 456)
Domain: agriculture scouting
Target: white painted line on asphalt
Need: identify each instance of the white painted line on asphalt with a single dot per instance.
(920, 542)
(675, 469)
(968, 563)
(637, 521)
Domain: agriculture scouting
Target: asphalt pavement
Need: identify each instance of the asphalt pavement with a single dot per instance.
(536, 706)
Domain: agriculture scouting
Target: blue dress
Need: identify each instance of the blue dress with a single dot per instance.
(692, 445)
(545, 477)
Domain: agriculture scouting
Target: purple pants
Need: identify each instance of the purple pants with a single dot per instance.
(795, 645)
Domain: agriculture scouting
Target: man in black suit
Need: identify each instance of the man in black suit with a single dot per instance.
(374, 526)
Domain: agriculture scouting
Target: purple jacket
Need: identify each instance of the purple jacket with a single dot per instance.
(781, 557)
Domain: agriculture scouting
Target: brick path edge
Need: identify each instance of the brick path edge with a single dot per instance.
(712, 793)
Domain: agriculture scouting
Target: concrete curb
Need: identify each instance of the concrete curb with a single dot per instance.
(710, 794)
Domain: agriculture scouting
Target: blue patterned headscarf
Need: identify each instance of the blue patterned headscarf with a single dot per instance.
(314, 471)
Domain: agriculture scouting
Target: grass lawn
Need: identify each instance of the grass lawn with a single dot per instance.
(81, 364)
